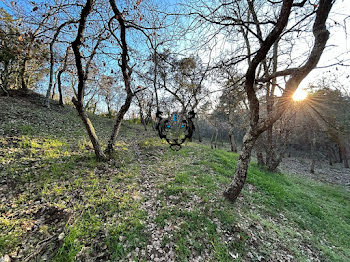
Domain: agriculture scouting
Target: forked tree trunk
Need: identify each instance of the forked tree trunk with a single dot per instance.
(238, 181)
(90, 130)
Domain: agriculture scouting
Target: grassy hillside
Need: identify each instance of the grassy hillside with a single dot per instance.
(150, 203)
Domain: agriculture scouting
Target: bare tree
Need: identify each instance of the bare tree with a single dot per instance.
(275, 28)
(126, 71)
(82, 76)
(58, 30)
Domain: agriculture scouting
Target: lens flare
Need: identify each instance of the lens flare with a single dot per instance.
(299, 95)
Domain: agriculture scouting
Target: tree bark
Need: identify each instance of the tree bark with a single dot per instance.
(321, 35)
(90, 130)
(330, 157)
(22, 73)
(155, 71)
(260, 158)
(59, 86)
(53, 91)
(198, 130)
(344, 155)
(118, 121)
(82, 76)
(232, 141)
(212, 139)
(340, 153)
(142, 118)
(4, 80)
(52, 59)
(234, 189)
(48, 92)
(126, 71)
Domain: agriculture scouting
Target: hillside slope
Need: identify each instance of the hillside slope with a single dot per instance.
(149, 203)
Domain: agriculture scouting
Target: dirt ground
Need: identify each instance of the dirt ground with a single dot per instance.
(335, 174)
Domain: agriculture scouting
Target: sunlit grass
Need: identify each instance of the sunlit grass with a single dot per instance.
(104, 199)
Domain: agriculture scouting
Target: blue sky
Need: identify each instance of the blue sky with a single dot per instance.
(338, 43)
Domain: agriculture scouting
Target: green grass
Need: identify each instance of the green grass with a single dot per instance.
(50, 162)
(309, 205)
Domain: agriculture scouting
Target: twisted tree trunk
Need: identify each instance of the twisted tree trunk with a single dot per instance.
(82, 76)
(90, 129)
(127, 71)
(238, 181)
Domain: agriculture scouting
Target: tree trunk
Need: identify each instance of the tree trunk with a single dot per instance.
(59, 75)
(234, 189)
(83, 76)
(312, 153)
(118, 121)
(48, 92)
(340, 153)
(126, 71)
(6, 93)
(22, 74)
(90, 129)
(142, 120)
(260, 158)
(4, 80)
(155, 77)
(331, 155)
(59, 87)
(198, 131)
(232, 142)
(270, 150)
(344, 155)
(212, 139)
(259, 153)
(94, 110)
(53, 91)
(312, 167)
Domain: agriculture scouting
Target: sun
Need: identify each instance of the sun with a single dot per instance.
(299, 95)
